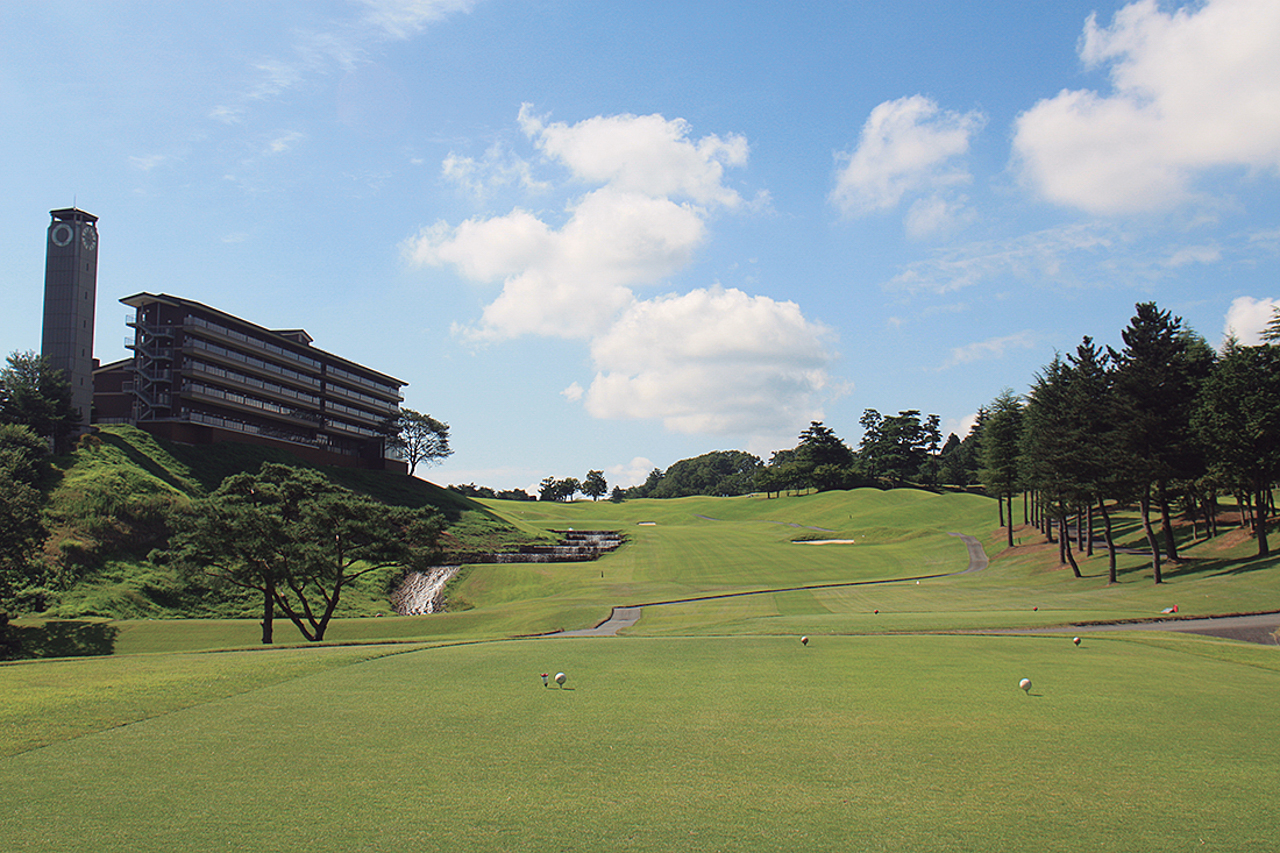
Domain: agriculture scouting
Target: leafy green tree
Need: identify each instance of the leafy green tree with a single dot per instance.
(35, 394)
(899, 448)
(822, 460)
(595, 486)
(299, 541)
(718, 473)
(22, 529)
(1001, 453)
(419, 438)
(1238, 417)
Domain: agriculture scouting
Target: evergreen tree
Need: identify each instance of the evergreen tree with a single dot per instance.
(1158, 374)
(1238, 416)
(1001, 452)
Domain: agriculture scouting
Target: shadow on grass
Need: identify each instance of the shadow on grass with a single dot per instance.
(63, 639)
(145, 462)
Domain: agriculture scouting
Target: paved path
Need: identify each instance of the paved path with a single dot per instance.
(1252, 628)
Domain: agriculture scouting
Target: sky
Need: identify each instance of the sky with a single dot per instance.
(594, 234)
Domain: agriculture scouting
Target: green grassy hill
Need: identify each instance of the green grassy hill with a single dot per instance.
(108, 508)
(705, 726)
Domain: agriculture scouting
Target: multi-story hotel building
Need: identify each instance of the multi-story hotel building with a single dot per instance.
(199, 375)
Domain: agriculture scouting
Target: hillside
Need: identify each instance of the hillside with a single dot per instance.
(108, 508)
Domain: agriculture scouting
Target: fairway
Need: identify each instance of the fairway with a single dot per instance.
(676, 744)
(706, 725)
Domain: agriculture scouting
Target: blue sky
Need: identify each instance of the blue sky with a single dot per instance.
(612, 235)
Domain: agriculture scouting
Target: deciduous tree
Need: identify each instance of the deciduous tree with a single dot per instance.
(419, 438)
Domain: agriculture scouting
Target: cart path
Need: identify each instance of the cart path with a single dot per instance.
(1263, 628)
(626, 616)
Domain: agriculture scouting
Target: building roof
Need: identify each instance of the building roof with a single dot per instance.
(291, 338)
(73, 214)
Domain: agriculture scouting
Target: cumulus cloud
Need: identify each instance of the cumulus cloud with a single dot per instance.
(708, 361)
(711, 361)
(649, 155)
(631, 473)
(908, 146)
(1247, 317)
(1192, 89)
(642, 224)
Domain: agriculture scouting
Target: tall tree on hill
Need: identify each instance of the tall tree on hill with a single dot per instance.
(1238, 414)
(419, 438)
(1001, 453)
(899, 447)
(595, 485)
(37, 395)
(298, 540)
(1158, 374)
(1100, 466)
(1051, 454)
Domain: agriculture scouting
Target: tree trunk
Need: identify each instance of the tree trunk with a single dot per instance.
(1260, 521)
(1025, 519)
(1000, 508)
(1088, 525)
(268, 613)
(1065, 532)
(1111, 543)
(1166, 522)
(1151, 535)
(1009, 529)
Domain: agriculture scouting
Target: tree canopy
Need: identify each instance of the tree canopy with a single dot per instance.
(35, 394)
(419, 438)
(299, 540)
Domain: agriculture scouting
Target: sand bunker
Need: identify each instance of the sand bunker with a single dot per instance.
(826, 542)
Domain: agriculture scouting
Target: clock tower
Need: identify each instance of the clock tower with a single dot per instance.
(70, 291)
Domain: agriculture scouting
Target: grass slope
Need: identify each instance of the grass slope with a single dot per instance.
(109, 499)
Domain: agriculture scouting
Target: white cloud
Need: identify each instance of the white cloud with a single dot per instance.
(1192, 90)
(712, 361)
(1055, 253)
(498, 168)
(631, 473)
(1194, 255)
(961, 426)
(907, 146)
(935, 215)
(1247, 317)
(401, 19)
(991, 348)
(643, 224)
(649, 155)
(284, 142)
(709, 361)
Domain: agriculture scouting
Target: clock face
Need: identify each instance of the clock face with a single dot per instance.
(61, 234)
(89, 237)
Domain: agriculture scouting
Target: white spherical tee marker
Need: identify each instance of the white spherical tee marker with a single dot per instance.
(1025, 684)
(561, 678)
